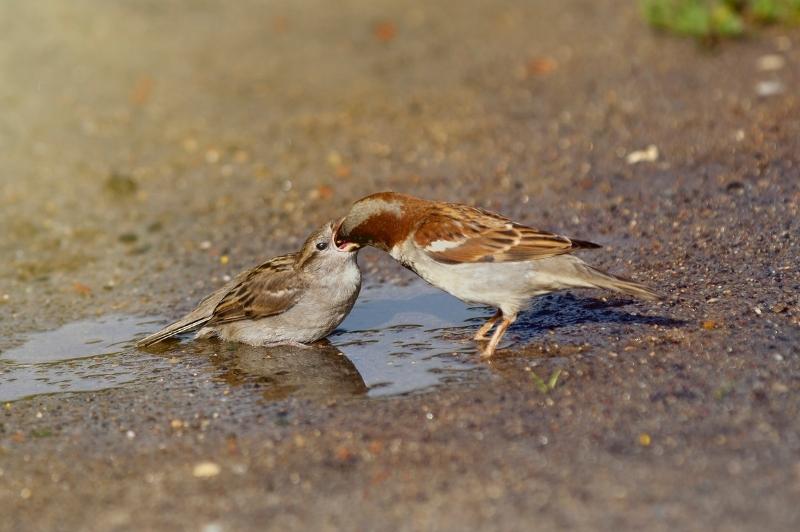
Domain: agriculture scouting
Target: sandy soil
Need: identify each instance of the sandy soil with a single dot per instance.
(151, 148)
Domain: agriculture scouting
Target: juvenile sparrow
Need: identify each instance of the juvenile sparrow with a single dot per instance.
(296, 298)
(476, 255)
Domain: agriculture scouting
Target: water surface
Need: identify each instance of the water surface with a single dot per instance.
(397, 340)
(404, 339)
(82, 356)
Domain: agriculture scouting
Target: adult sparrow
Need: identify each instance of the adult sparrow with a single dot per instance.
(476, 255)
(296, 298)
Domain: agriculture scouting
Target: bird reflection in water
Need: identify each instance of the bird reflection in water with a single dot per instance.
(318, 372)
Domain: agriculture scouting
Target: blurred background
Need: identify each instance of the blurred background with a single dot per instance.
(149, 150)
(134, 132)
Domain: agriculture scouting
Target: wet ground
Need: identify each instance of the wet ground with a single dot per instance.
(152, 149)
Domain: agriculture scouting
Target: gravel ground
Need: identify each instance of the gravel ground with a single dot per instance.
(151, 148)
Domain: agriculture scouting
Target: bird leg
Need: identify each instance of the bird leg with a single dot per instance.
(486, 327)
(498, 334)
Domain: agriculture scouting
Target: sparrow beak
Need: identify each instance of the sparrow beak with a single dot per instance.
(349, 247)
(342, 245)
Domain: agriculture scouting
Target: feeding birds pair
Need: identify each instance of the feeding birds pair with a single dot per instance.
(476, 255)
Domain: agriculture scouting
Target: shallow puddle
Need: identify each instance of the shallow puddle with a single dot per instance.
(396, 340)
(403, 339)
(82, 356)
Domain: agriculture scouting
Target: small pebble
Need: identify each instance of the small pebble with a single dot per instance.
(769, 88)
(190, 145)
(384, 31)
(779, 387)
(494, 491)
(648, 155)
(334, 158)
(206, 470)
(771, 62)
(778, 308)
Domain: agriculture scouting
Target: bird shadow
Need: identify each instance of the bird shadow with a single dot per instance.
(558, 311)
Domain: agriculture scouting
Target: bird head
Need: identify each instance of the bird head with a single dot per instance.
(320, 250)
(380, 220)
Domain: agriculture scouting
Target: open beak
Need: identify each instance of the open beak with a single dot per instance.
(344, 246)
(349, 247)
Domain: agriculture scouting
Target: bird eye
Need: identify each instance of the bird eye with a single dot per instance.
(322, 246)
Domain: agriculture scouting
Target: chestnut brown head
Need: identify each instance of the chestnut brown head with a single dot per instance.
(380, 220)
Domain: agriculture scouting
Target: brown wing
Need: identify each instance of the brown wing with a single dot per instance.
(270, 289)
(460, 233)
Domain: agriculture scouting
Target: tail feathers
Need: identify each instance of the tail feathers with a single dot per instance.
(195, 318)
(584, 244)
(601, 279)
(186, 324)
